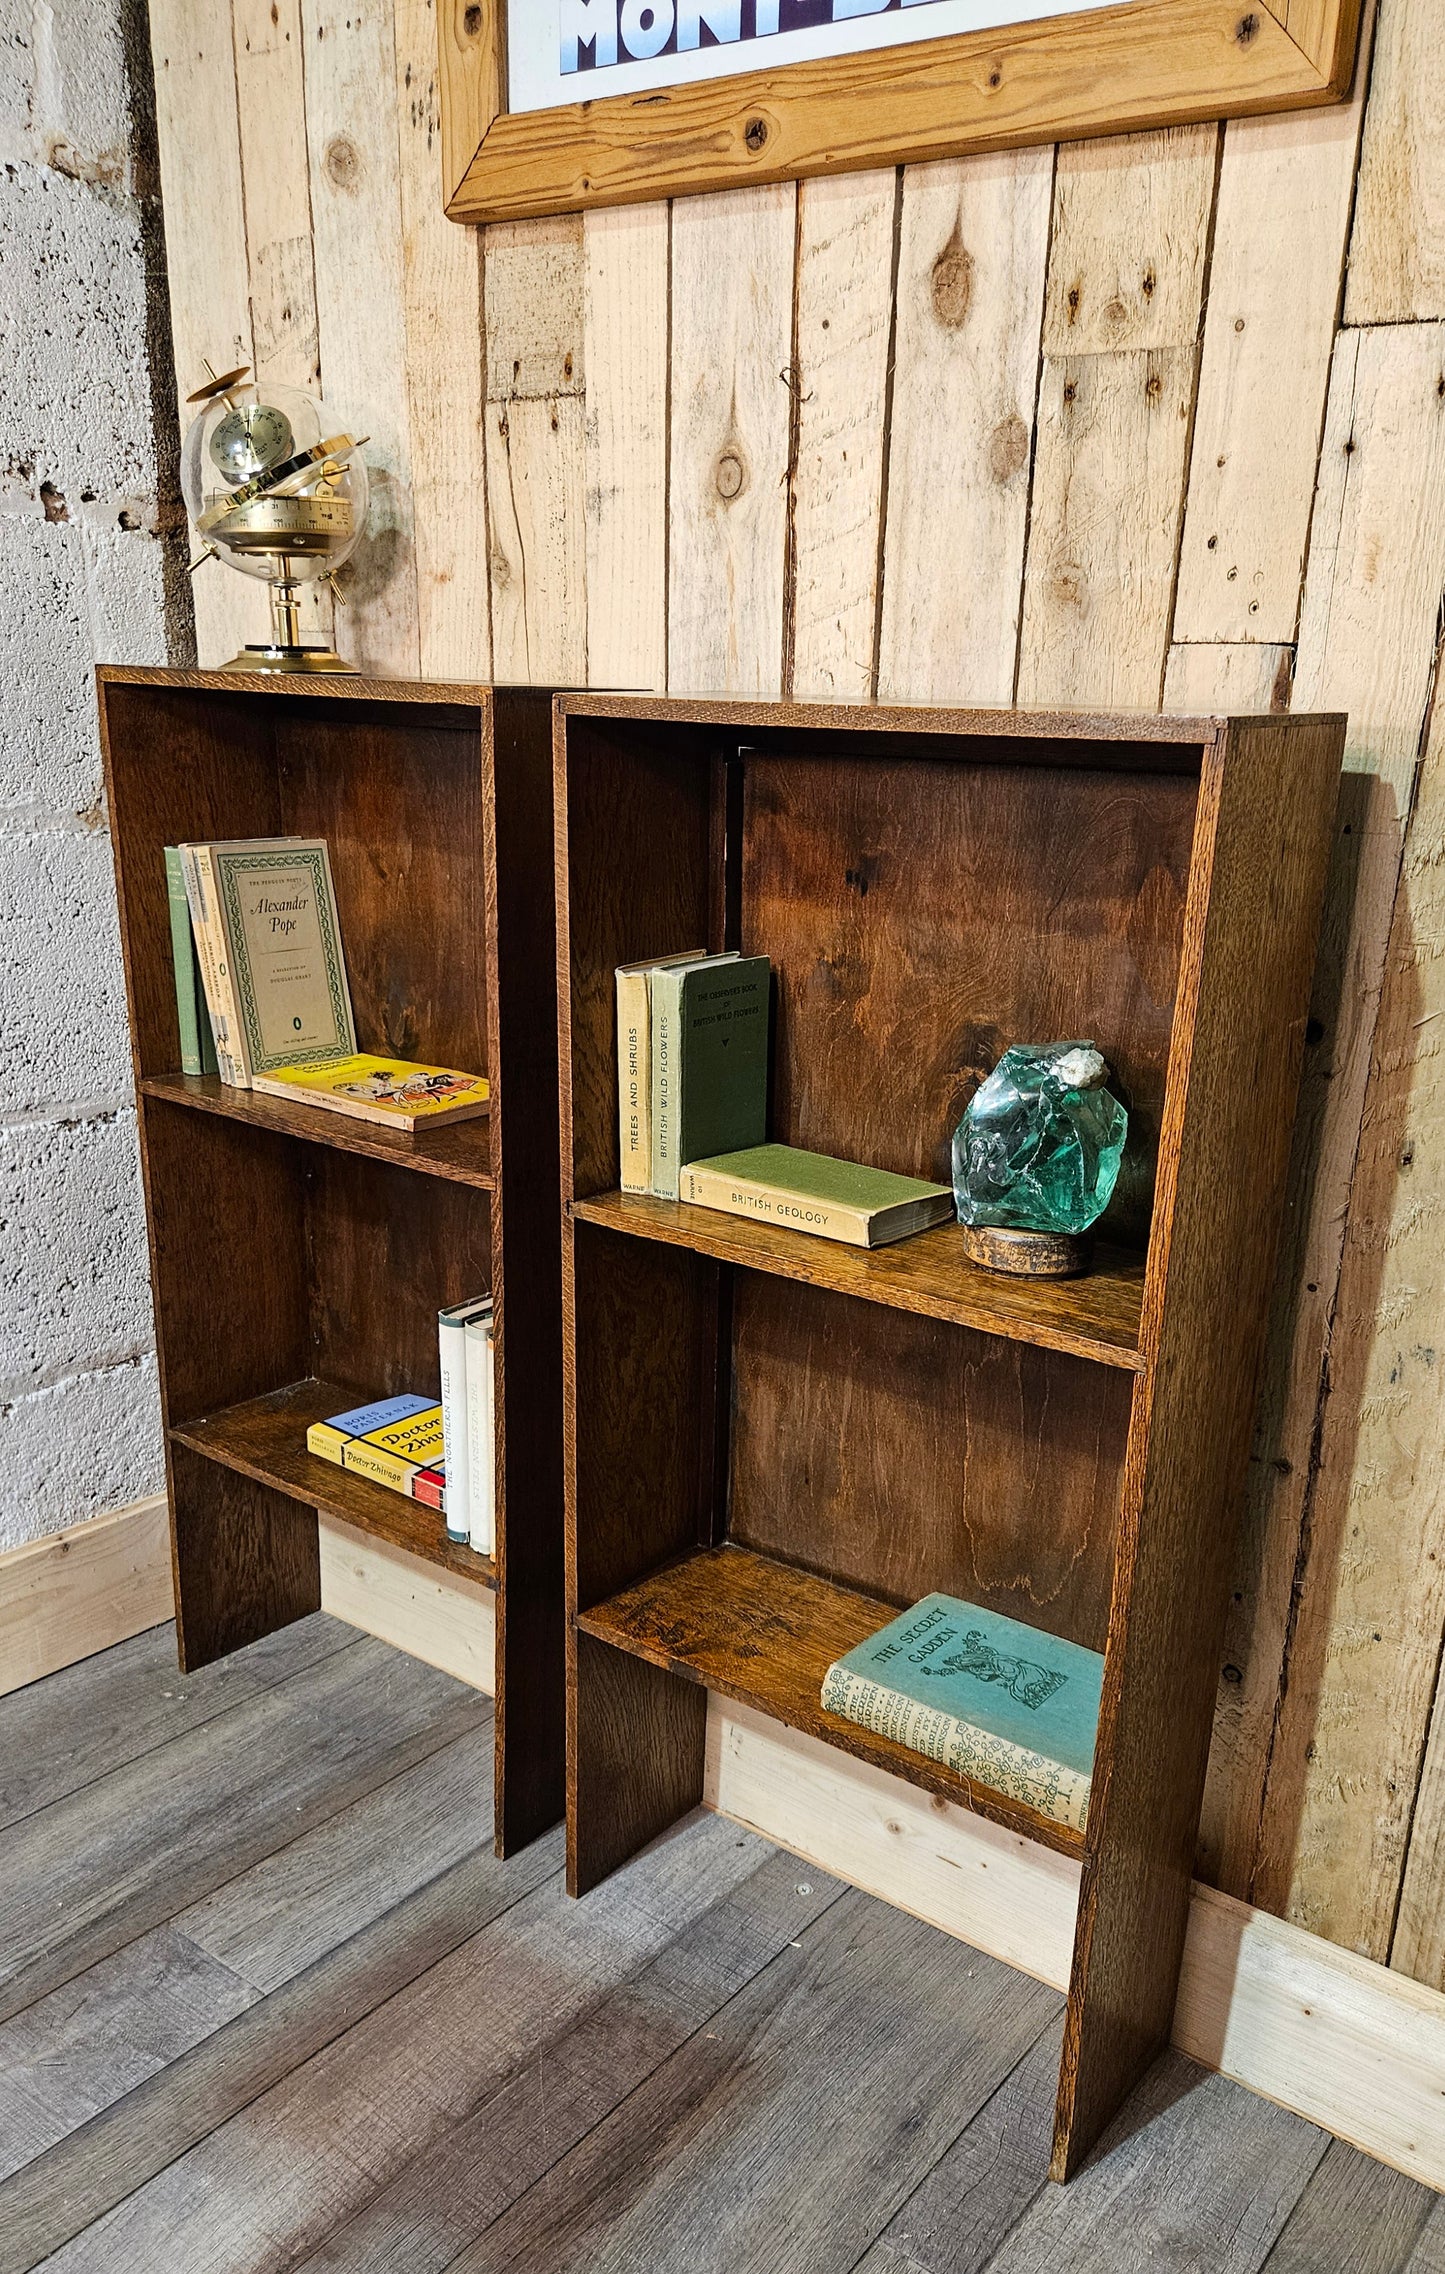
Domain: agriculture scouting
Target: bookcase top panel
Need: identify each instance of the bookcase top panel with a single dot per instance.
(344, 687)
(1162, 728)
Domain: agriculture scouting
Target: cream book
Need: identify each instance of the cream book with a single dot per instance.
(634, 1065)
(264, 910)
(393, 1092)
(810, 1192)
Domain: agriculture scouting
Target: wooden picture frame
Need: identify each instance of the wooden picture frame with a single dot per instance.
(1111, 70)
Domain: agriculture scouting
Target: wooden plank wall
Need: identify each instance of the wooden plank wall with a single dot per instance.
(1160, 419)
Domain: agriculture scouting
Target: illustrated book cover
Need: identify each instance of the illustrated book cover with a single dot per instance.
(811, 1192)
(709, 1062)
(391, 1091)
(989, 1697)
(265, 916)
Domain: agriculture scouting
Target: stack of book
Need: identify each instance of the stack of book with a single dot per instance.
(262, 997)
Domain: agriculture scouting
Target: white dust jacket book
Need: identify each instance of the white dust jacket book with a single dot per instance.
(452, 1341)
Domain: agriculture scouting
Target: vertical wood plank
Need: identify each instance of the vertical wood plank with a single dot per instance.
(1273, 294)
(1338, 1796)
(1397, 251)
(276, 191)
(350, 68)
(1121, 319)
(441, 272)
(844, 323)
(626, 261)
(200, 158)
(732, 322)
(973, 247)
(1238, 677)
(536, 451)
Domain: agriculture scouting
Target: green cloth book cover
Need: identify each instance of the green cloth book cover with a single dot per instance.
(1006, 1703)
(709, 1061)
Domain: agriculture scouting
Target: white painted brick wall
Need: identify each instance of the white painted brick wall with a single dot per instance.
(81, 572)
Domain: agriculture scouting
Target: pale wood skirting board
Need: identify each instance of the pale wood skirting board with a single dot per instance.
(78, 1591)
(1336, 2038)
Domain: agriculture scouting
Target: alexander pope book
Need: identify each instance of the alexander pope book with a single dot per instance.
(989, 1697)
(396, 1442)
(813, 1193)
(264, 910)
(391, 1091)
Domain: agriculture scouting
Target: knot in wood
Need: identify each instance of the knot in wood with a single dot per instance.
(1246, 29)
(472, 22)
(342, 161)
(729, 475)
(952, 284)
(755, 133)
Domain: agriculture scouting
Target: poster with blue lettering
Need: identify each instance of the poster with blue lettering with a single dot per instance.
(571, 51)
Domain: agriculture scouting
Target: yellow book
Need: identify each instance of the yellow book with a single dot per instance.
(394, 1441)
(393, 1091)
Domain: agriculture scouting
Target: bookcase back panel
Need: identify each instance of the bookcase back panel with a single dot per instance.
(231, 1311)
(923, 916)
(644, 880)
(400, 806)
(900, 1455)
(187, 767)
(388, 1250)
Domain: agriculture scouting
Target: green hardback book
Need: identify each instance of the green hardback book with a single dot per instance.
(709, 1061)
(811, 1192)
(1004, 1703)
(198, 1046)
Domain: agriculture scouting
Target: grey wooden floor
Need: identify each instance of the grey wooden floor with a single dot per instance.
(266, 2001)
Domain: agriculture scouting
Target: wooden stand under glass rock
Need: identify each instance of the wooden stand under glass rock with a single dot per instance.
(776, 1442)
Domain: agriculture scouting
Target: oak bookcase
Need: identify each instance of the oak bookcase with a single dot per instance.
(772, 1442)
(299, 1259)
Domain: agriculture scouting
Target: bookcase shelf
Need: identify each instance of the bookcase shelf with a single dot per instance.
(464, 1154)
(299, 1258)
(773, 1442)
(265, 1438)
(765, 1633)
(1097, 1317)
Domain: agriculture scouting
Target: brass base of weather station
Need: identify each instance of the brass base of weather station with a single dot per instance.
(288, 659)
(1029, 1255)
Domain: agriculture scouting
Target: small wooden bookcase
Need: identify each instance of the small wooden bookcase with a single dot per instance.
(772, 1442)
(299, 1258)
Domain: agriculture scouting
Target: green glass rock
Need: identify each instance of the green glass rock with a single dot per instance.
(1039, 1148)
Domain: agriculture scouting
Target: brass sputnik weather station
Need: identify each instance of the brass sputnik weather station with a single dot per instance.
(271, 491)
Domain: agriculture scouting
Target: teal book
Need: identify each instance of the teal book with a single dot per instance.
(198, 1047)
(1006, 1704)
(709, 1061)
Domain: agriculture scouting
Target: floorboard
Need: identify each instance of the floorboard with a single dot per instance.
(269, 2002)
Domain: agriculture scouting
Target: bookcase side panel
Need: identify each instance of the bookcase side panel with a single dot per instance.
(527, 1265)
(924, 915)
(1229, 1129)
(901, 1455)
(636, 1760)
(635, 821)
(182, 766)
(397, 796)
(387, 1250)
(247, 1559)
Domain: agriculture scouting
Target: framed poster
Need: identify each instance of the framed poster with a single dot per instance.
(552, 105)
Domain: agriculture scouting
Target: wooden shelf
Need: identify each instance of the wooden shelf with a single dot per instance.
(462, 1153)
(1094, 1317)
(765, 1633)
(265, 1439)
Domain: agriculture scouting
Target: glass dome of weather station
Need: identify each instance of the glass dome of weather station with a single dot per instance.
(276, 491)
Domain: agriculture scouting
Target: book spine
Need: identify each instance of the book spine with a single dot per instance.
(374, 1461)
(1013, 1770)
(215, 964)
(327, 1443)
(452, 1336)
(481, 1462)
(183, 956)
(666, 1025)
(770, 1204)
(634, 1081)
